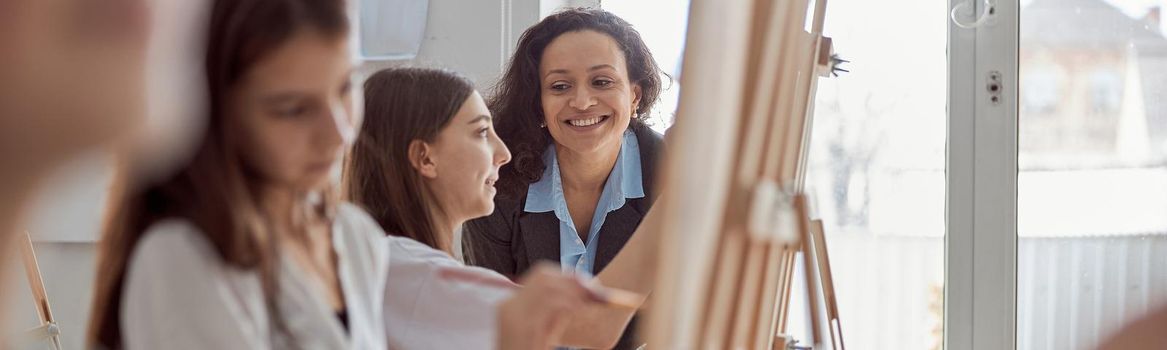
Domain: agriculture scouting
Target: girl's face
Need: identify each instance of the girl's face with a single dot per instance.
(295, 111)
(588, 99)
(461, 166)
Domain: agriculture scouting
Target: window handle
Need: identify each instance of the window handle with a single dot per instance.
(988, 11)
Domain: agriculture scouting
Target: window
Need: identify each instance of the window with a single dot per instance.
(1060, 187)
(1043, 84)
(876, 171)
(876, 162)
(1105, 92)
(1092, 181)
(661, 24)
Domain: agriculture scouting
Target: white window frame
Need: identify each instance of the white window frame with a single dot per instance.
(981, 201)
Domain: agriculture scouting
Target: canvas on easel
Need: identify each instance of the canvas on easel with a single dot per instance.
(736, 215)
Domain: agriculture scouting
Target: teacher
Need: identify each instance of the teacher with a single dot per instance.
(571, 107)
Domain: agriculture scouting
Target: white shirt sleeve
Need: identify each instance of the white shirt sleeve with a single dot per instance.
(425, 311)
(178, 294)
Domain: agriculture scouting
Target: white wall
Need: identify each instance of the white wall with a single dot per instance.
(474, 38)
(477, 38)
(547, 7)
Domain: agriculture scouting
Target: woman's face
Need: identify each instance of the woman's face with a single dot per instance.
(295, 108)
(588, 100)
(461, 166)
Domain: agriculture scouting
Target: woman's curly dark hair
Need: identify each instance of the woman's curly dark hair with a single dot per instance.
(516, 101)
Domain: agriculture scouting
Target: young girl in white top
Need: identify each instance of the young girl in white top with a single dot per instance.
(425, 161)
(245, 247)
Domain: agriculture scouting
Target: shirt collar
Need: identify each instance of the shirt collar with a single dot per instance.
(541, 194)
(626, 179)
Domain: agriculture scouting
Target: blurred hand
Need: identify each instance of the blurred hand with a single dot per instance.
(537, 315)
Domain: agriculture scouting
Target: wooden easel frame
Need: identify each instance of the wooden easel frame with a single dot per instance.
(728, 276)
(48, 328)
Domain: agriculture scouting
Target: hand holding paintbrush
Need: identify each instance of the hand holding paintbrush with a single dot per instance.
(608, 296)
(545, 299)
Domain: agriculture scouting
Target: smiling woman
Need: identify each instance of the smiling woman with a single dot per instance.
(587, 101)
(571, 107)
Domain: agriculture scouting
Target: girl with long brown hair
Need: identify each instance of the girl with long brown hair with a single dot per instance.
(244, 247)
(426, 160)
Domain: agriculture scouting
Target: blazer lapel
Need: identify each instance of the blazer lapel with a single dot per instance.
(618, 228)
(540, 234)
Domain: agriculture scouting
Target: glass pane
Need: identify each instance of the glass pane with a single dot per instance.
(876, 170)
(1092, 186)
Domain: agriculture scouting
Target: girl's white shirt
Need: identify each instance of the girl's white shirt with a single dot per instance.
(425, 311)
(178, 294)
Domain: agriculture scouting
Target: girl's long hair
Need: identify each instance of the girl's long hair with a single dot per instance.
(401, 105)
(215, 190)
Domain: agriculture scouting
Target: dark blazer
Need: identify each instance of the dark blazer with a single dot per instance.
(511, 240)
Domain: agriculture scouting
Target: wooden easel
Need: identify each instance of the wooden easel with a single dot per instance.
(827, 282)
(737, 216)
(48, 328)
